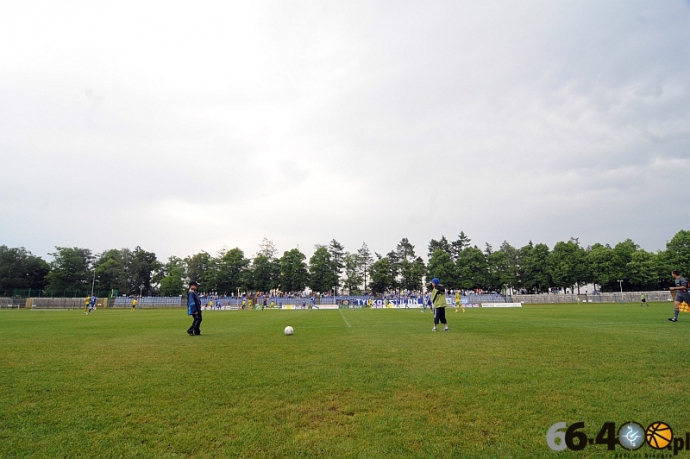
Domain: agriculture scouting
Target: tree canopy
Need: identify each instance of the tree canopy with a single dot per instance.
(534, 267)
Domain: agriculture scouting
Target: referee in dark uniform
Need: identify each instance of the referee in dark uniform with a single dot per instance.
(194, 309)
(682, 294)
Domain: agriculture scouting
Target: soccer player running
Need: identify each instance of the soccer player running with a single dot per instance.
(438, 299)
(194, 309)
(134, 303)
(643, 300)
(92, 304)
(682, 294)
(458, 302)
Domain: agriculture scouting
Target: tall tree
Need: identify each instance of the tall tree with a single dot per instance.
(173, 271)
(643, 270)
(20, 269)
(441, 266)
(353, 273)
(268, 249)
(441, 244)
(677, 255)
(233, 272)
(293, 271)
(337, 252)
(143, 265)
(366, 260)
(511, 270)
(405, 250)
(409, 271)
(603, 267)
(265, 273)
(70, 270)
(322, 275)
(382, 276)
(568, 264)
(394, 266)
(111, 271)
(200, 268)
(412, 274)
(622, 255)
(472, 269)
(459, 245)
(171, 284)
(534, 271)
(499, 269)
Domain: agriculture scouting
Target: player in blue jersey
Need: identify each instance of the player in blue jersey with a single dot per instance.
(92, 304)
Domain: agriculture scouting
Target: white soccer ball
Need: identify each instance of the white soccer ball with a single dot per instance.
(289, 330)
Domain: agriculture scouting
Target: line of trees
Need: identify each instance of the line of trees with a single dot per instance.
(459, 264)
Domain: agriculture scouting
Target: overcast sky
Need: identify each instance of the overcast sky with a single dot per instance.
(189, 126)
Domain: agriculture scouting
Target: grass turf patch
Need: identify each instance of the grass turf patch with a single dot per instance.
(363, 383)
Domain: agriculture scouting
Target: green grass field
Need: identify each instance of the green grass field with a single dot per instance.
(357, 383)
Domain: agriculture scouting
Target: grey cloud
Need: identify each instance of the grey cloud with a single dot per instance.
(360, 121)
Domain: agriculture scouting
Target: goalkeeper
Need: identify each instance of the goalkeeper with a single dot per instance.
(682, 294)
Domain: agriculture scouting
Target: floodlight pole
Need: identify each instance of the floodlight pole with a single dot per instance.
(93, 282)
(141, 289)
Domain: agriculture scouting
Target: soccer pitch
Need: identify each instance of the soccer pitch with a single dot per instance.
(361, 383)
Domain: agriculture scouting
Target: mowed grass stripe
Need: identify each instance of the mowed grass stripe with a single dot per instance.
(122, 383)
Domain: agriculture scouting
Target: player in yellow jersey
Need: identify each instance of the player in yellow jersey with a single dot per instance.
(371, 303)
(251, 304)
(134, 304)
(86, 303)
(458, 302)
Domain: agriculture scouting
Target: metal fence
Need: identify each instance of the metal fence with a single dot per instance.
(62, 303)
(627, 297)
(149, 302)
(12, 303)
(343, 301)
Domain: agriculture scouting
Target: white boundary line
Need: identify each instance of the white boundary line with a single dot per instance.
(346, 322)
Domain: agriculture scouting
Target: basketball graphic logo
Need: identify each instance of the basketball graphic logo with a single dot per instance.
(659, 435)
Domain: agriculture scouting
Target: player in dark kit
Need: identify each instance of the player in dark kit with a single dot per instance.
(682, 294)
(194, 309)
